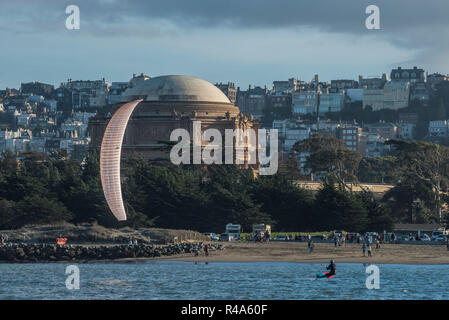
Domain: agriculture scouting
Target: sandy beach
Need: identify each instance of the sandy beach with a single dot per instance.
(323, 252)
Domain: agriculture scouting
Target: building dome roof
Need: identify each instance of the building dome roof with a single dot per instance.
(175, 88)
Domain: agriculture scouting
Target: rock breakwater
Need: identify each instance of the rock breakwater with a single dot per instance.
(55, 253)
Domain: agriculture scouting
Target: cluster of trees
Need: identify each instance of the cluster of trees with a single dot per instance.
(41, 189)
(419, 171)
(204, 198)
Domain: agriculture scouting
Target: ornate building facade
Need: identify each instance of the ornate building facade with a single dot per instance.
(169, 103)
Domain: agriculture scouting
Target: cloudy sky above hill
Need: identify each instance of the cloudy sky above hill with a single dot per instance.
(242, 41)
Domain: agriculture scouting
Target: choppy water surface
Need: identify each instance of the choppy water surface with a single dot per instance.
(185, 280)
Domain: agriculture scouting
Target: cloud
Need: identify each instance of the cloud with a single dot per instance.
(413, 32)
(329, 15)
(402, 21)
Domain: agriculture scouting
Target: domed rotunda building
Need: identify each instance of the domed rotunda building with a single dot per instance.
(171, 102)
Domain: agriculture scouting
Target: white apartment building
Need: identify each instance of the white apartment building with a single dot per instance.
(396, 95)
(373, 98)
(83, 116)
(351, 135)
(294, 135)
(354, 95)
(439, 128)
(305, 102)
(405, 130)
(281, 126)
(331, 102)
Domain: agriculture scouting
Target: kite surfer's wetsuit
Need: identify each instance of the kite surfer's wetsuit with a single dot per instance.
(332, 270)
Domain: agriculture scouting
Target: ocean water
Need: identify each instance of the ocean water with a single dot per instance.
(221, 280)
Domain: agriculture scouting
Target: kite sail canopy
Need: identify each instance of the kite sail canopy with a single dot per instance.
(110, 154)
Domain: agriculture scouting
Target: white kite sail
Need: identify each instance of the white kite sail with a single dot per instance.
(110, 154)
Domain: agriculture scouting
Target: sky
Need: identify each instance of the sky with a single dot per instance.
(242, 41)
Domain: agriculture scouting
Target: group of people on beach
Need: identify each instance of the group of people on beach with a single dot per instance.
(339, 240)
(205, 249)
(366, 247)
(262, 236)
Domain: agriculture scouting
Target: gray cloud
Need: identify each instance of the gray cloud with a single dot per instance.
(414, 24)
(329, 15)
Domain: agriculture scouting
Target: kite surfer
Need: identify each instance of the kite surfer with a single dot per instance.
(332, 270)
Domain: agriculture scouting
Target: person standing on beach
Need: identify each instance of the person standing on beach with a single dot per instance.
(206, 250)
(393, 237)
(364, 248)
(369, 249)
(196, 251)
(310, 245)
(2, 240)
(335, 242)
